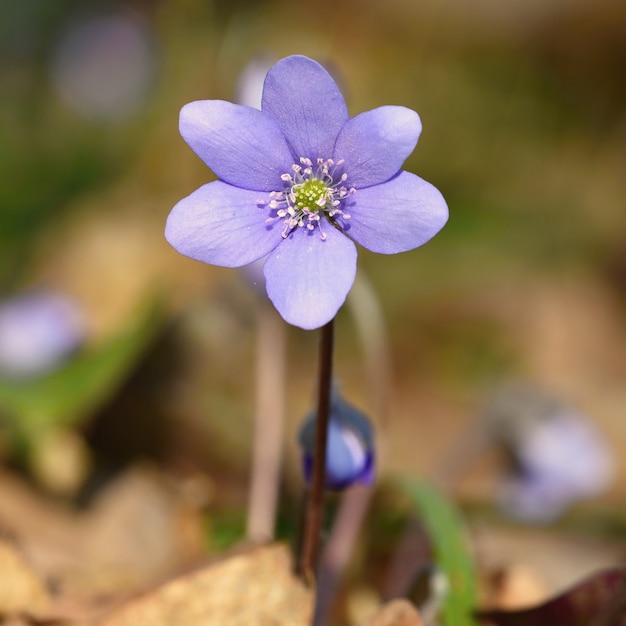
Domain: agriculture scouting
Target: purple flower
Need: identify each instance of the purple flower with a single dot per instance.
(38, 330)
(349, 448)
(560, 460)
(105, 65)
(301, 182)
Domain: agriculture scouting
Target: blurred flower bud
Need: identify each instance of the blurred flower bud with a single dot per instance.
(251, 79)
(556, 458)
(105, 65)
(38, 330)
(349, 449)
(248, 92)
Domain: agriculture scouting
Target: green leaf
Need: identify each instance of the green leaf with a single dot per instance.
(451, 549)
(74, 392)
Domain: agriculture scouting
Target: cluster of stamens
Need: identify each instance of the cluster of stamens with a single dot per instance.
(310, 192)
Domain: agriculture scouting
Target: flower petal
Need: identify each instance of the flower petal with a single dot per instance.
(222, 225)
(308, 278)
(243, 146)
(376, 143)
(399, 215)
(307, 104)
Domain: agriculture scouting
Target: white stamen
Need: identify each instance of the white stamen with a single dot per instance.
(309, 194)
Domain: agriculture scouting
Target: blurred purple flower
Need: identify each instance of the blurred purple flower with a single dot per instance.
(105, 64)
(38, 330)
(301, 182)
(349, 448)
(249, 90)
(560, 460)
(250, 93)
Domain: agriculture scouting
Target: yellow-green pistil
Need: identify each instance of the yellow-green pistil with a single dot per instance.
(309, 194)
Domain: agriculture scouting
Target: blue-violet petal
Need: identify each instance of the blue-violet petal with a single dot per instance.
(308, 278)
(307, 104)
(243, 146)
(222, 225)
(375, 144)
(396, 216)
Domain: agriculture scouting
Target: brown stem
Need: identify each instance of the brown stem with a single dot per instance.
(315, 505)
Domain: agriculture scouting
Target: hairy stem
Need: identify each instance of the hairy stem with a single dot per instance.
(369, 322)
(315, 504)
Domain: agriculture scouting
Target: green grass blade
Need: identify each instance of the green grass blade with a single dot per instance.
(451, 550)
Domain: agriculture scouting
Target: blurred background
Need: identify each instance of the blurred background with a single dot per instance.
(523, 110)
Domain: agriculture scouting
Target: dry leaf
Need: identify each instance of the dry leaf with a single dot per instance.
(252, 589)
(137, 532)
(20, 588)
(515, 587)
(396, 613)
(578, 606)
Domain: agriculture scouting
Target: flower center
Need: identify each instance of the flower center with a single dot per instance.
(309, 194)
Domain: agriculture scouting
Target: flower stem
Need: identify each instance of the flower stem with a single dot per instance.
(315, 504)
(268, 423)
(338, 549)
(369, 321)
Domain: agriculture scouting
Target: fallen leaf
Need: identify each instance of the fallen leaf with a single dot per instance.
(396, 613)
(576, 607)
(138, 531)
(515, 587)
(256, 588)
(20, 587)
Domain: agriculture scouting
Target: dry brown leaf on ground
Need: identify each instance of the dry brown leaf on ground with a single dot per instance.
(138, 531)
(20, 587)
(26, 599)
(396, 613)
(515, 586)
(256, 588)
